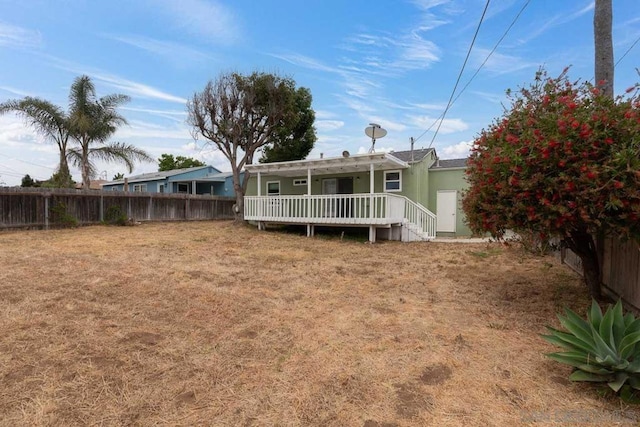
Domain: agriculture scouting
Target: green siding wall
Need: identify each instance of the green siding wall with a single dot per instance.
(449, 179)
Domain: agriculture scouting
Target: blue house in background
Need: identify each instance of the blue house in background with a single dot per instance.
(197, 180)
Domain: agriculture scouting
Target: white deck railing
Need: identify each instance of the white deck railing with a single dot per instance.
(356, 209)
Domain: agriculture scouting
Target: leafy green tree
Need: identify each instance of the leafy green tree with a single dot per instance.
(563, 162)
(92, 122)
(239, 114)
(118, 176)
(167, 162)
(27, 181)
(50, 121)
(293, 140)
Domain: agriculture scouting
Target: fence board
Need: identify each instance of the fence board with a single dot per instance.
(34, 207)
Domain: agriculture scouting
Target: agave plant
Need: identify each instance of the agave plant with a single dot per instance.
(604, 348)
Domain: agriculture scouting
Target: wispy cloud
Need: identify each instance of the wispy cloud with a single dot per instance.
(15, 91)
(500, 63)
(212, 21)
(305, 62)
(137, 89)
(456, 151)
(176, 52)
(177, 116)
(328, 125)
(129, 87)
(448, 125)
(14, 36)
(560, 19)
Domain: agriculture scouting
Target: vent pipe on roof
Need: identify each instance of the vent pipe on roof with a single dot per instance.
(321, 155)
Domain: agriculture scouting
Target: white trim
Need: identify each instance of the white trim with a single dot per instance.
(330, 165)
(299, 182)
(161, 188)
(273, 182)
(399, 181)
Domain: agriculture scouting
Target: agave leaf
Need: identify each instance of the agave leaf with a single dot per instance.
(622, 366)
(632, 327)
(621, 378)
(568, 341)
(618, 326)
(628, 344)
(608, 361)
(587, 376)
(634, 367)
(634, 382)
(572, 358)
(594, 316)
(628, 319)
(606, 327)
(578, 327)
(593, 369)
(602, 349)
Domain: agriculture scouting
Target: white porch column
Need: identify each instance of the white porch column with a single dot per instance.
(307, 205)
(259, 184)
(193, 187)
(371, 178)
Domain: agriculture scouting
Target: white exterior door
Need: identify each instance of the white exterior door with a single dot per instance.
(446, 211)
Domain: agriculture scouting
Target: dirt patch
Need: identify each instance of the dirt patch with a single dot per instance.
(411, 399)
(435, 374)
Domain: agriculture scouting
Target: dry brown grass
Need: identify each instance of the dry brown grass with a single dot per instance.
(211, 324)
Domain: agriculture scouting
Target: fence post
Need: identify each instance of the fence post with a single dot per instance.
(46, 212)
(101, 207)
(150, 207)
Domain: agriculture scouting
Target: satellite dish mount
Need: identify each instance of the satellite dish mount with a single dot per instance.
(374, 131)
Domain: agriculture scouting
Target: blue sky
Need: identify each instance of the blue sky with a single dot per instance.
(391, 62)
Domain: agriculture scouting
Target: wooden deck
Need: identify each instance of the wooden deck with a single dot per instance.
(372, 210)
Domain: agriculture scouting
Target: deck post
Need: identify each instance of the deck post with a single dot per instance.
(371, 189)
(372, 233)
(310, 230)
(307, 205)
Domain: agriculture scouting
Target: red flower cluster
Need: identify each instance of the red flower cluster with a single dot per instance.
(563, 157)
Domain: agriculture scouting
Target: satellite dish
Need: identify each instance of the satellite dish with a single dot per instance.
(345, 153)
(374, 131)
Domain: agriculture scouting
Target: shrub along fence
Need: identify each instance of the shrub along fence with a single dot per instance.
(45, 208)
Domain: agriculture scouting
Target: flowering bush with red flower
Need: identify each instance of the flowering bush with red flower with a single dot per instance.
(563, 162)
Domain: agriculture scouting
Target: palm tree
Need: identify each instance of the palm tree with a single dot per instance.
(50, 121)
(92, 121)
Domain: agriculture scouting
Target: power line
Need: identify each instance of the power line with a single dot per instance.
(473, 41)
(460, 74)
(628, 50)
(29, 163)
(495, 47)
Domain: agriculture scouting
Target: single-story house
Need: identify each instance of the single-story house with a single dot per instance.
(196, 180)
(406, 195)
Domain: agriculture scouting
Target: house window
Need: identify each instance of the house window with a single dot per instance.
(160, 188)
(183, 187)
(300, 181)
(139, 188)
(392, 181)
(273, 188)
(114, 188)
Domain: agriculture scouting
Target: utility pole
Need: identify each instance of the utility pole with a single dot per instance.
(603, 41)
(602, 19)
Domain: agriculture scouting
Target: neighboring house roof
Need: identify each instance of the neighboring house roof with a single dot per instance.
(157, 176)
(449, 164)
(216, 177)
(417, 155)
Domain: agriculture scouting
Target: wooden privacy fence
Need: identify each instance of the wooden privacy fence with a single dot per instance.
(42, 208)
(620, 269)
